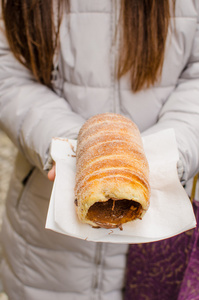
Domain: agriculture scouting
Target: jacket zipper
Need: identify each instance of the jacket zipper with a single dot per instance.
(98, 262)
(114, 53)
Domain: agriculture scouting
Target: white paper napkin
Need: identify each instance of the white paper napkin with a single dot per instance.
(170, 211)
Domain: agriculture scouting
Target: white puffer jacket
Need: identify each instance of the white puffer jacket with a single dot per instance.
(41, 264)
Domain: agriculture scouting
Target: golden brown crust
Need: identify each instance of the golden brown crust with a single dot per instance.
(111, 164)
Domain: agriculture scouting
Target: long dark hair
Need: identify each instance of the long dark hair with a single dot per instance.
(32, 33)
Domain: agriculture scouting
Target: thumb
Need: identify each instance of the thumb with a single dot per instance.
(51, 174)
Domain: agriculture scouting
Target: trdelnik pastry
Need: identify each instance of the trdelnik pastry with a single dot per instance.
(112, 175)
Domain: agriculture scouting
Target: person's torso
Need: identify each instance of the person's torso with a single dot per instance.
(89, 48)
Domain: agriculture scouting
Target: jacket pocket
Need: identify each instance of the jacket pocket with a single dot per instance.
(22, 173)
(24, 183)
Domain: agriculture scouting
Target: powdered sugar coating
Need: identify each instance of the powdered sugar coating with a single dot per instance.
(111, 163)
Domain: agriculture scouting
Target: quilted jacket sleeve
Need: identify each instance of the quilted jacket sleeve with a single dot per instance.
(30, 113)
(181, 112)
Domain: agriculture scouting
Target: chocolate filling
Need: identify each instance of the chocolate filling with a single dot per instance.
(114, 213)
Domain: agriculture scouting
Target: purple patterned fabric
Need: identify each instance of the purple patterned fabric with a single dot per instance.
(165, 270)
(190, 284)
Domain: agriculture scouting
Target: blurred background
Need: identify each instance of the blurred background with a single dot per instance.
(7, 157)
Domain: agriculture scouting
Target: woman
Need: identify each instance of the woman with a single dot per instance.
(61, 63)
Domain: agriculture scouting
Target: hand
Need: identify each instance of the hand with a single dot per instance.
(51, 173)
(180, 170)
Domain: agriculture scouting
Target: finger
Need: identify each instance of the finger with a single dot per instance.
(51, 174)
